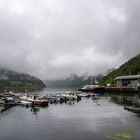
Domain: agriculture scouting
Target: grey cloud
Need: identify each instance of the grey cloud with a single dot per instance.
(54, 38)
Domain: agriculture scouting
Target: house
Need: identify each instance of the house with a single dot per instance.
(128, 81)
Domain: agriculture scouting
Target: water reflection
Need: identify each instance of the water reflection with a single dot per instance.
(125, 98)
(35, 110)
(133, 99)
(97, 102)
(71, 103)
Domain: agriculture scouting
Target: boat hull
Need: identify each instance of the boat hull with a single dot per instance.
(40, 102)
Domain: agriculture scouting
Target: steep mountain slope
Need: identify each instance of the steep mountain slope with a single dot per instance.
(11, 80)
(132, 67)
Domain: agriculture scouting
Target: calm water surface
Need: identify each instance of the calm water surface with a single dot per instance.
(84, 120)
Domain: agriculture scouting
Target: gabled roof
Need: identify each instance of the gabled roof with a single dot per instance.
(128, 77)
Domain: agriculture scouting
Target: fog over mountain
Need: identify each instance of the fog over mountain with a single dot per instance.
(52, 39)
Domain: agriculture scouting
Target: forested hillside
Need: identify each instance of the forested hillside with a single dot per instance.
(132, 67)
(11, 80)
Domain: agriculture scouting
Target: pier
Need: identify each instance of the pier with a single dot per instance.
(103, 89)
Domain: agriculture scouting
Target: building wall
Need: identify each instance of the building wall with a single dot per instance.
(119, 83)
(130, 83)
(134, 83)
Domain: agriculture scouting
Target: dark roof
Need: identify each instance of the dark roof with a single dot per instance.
(128, 77)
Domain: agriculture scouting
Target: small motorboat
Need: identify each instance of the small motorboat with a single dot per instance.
(70, 96)
(83, 95)
(33, 99)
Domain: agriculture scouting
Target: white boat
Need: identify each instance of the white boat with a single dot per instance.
(70, 96)
(10, 99)
(83, 95)
(36, 100)
(91, 86)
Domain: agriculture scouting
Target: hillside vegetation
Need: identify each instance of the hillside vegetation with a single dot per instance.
(10, 80)
(132, 67)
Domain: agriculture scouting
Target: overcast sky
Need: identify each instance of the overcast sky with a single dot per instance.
(51, 39)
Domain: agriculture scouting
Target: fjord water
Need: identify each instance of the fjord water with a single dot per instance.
(84, 120)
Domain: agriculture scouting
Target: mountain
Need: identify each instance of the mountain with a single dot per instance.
(11, 80)
(73, 81)
(132, 67)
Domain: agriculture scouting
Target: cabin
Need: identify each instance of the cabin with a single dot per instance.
(128, 81)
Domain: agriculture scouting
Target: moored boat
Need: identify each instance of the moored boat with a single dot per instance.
(36, 100)
(70, 96)
(83, 94)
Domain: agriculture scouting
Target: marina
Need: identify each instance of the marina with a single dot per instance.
(8, 100)
(68, 115)
(85, 119)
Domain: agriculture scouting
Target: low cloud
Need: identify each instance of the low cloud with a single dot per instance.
(51, 39)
